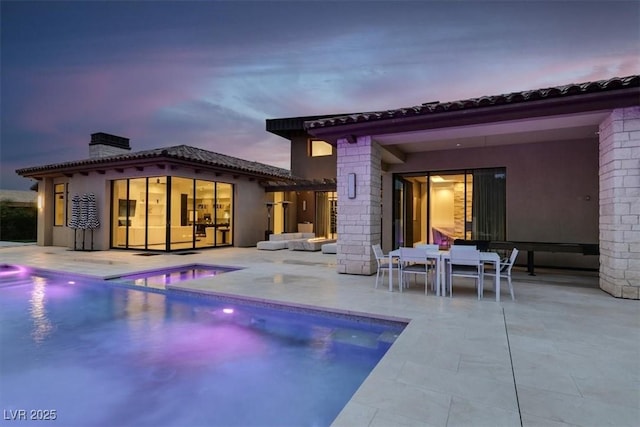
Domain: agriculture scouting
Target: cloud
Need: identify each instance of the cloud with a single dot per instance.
(208, 74)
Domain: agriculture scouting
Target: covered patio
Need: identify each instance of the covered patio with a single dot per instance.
(567, 156)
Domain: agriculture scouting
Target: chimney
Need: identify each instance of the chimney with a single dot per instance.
(103, 145)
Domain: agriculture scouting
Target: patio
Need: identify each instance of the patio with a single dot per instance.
(564, 353)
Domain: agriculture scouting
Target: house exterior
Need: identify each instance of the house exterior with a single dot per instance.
(166, 199)
(557, 168)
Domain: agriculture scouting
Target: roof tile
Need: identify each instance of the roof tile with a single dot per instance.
(181, 152)
(485, 101)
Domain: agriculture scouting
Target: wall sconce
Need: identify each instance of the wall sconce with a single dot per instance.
(351, 139)
(351, 185)
(304, 205)
(40, 202)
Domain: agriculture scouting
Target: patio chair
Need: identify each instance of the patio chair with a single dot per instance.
(427, 247)
(383, 262)
(414, 261)
(460, 247)
(465, 263)
(505, 270)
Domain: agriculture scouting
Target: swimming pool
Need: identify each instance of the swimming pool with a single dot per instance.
(95, 353)
(160, 278)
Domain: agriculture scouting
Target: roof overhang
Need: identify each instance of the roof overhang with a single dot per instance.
(160, 160)
(328, 184)
(562, 118)
(563, 106)
(292, 126)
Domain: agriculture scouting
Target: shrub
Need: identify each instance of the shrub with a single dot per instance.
(18, 223)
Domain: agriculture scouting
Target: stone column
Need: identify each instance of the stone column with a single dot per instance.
(359, 218)
(620, 203)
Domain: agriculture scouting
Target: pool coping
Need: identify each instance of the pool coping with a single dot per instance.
(359, 316)
(231, 268)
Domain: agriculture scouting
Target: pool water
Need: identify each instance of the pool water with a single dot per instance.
(158, 279)
(102, 354)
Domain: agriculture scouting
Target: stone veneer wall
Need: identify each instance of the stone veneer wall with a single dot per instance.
(359, 219)
(620, 203)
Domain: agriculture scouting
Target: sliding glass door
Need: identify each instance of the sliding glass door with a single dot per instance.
(171, 213)
(326, 214)
(441, 207)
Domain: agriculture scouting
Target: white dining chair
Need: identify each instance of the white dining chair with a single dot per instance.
(414, 261)
(464, 247)
(505, 270)
(383, 263)
(427, 247)
(465, 263)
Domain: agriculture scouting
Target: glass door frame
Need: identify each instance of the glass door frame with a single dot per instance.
(402, 208)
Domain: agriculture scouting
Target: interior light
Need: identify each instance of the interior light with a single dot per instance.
(437, 178)
(227, 310)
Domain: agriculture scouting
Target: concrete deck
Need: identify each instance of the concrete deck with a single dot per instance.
(563, 354)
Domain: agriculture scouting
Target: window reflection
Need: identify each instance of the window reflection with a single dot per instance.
(41, 324)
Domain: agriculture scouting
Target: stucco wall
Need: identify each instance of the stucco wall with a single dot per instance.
(305, 166)
(249, 213)
(552, 191)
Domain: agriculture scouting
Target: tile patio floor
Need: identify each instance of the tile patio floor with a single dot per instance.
(563, 354)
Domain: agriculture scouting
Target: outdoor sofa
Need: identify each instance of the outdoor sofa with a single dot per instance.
(281, 240)
(311, 245)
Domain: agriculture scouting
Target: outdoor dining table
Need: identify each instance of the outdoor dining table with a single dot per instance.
(486, 257)
(441, 258)
(430, 255)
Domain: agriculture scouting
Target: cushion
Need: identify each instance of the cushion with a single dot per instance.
(269, 245)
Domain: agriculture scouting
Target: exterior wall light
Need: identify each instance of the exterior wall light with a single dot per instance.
(351, 185)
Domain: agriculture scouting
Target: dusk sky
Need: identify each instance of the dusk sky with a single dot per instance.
(208, 74)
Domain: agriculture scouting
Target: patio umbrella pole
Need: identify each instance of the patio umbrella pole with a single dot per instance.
(92, 215)
(75, 217)
(84, 217)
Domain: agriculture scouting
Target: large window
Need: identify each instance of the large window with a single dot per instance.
(171, 213)
(59, 204)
